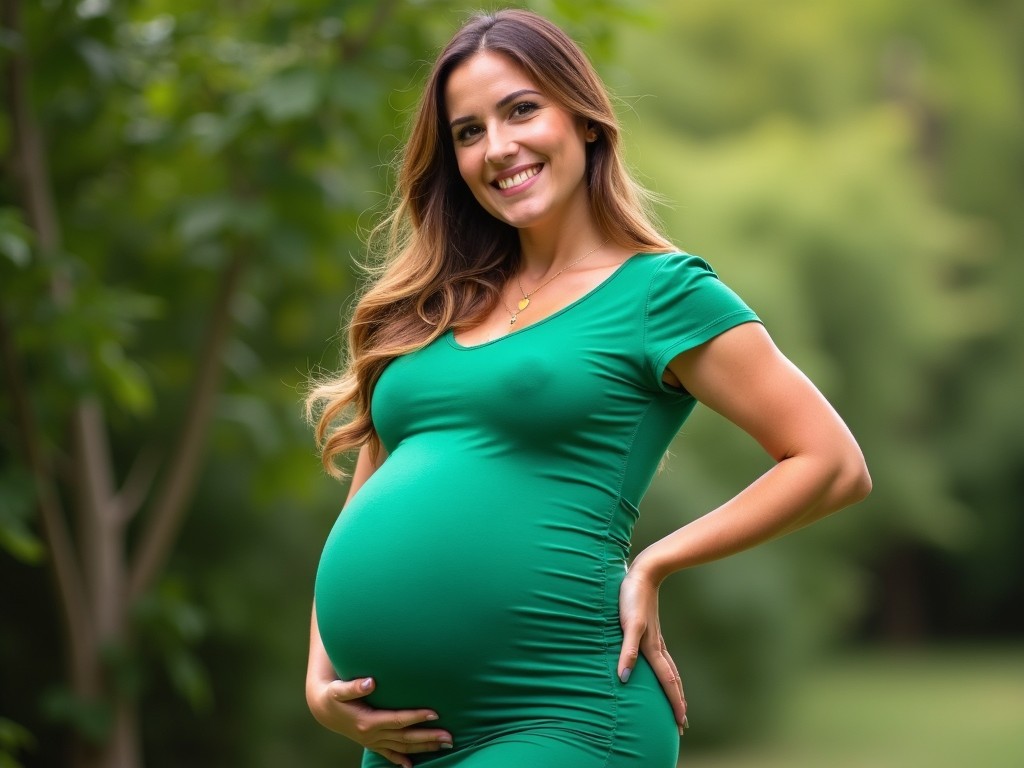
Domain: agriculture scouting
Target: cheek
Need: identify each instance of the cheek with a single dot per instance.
(469, 167)
(569, 137)
(470, 171)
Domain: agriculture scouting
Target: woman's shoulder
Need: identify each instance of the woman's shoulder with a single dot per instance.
(669, 267)
(677, 281)
(672, 261)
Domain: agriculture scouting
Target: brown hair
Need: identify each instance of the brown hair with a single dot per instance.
(445, 258)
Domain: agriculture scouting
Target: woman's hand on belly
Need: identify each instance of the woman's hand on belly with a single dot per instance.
(336, 705)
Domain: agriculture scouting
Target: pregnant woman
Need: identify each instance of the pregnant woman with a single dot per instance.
(516, 372)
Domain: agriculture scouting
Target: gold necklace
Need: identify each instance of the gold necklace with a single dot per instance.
(525, 301)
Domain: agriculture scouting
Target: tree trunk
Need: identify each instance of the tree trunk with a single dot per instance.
(94, 586)
(122, 748)
(102, 544)
(31, 171)
(89, 580)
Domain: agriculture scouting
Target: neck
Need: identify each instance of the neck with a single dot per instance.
(545, 251)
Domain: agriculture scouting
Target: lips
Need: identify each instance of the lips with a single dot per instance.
(513, 180)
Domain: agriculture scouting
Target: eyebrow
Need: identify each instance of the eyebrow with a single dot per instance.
(504, 102)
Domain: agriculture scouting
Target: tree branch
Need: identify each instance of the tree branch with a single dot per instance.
(29, 160)
(165, 520)
(101, 536)
(30, 167)
(352, 47)
(137, 484)
(67, 572)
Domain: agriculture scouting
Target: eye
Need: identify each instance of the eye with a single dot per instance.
(467, 132)
(523, 108)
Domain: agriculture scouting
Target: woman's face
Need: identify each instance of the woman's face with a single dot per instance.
(522, 154)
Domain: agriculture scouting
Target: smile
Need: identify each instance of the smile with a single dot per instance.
(519, 178)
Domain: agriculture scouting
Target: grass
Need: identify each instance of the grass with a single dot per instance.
(929, 708)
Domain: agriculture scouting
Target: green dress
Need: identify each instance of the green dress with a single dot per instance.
(477, 571)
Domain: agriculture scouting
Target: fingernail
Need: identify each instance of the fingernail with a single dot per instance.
(365, 685)
(445, 745)
(684, 725)
(431, 716)
(624, 674)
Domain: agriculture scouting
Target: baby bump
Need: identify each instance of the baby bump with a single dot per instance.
(408, 604)
(451, 592)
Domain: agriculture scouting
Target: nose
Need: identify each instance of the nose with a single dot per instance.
(500, 146)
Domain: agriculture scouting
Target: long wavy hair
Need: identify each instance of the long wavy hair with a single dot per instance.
(444, 258)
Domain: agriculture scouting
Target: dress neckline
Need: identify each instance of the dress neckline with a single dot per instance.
(450, 333)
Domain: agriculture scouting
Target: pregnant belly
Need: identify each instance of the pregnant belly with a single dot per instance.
(455, 594)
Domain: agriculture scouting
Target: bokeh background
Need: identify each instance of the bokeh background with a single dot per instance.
(185, 191)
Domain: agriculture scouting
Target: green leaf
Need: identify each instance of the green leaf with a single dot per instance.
(19, 541)
(14, 738)
(190, 680)
(16, 238)
(125, 379)
(99, 58)
(15, 248)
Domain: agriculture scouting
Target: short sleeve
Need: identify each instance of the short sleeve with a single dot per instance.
(687, 305)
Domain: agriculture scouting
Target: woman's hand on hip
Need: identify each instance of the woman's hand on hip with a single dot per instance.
(336, 705)
(641, 630)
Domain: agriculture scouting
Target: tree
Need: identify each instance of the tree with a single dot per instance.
(234, 139)
(180, 180)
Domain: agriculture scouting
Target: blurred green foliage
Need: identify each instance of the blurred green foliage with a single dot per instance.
(852, 170)
(889, 708)
(14, 738)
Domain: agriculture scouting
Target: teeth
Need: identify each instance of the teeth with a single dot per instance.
(519, 178)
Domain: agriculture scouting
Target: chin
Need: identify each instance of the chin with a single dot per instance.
(519, 219)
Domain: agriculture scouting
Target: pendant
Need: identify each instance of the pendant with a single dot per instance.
(523, 303)
(512, 321)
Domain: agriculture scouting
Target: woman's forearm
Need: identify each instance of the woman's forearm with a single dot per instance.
(819, 466)
(795, 492)
(319, 668)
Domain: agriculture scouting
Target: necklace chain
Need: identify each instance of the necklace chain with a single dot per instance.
(525, 301)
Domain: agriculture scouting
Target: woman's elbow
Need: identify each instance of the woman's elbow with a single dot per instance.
(853, 481)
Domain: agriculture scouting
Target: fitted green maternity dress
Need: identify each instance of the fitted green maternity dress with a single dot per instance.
(477, 571)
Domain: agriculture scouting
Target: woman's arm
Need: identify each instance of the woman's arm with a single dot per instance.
(819, 466)
(819, 469)
(336, 703)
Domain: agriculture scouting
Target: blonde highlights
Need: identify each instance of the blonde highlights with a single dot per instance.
(444, 258)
